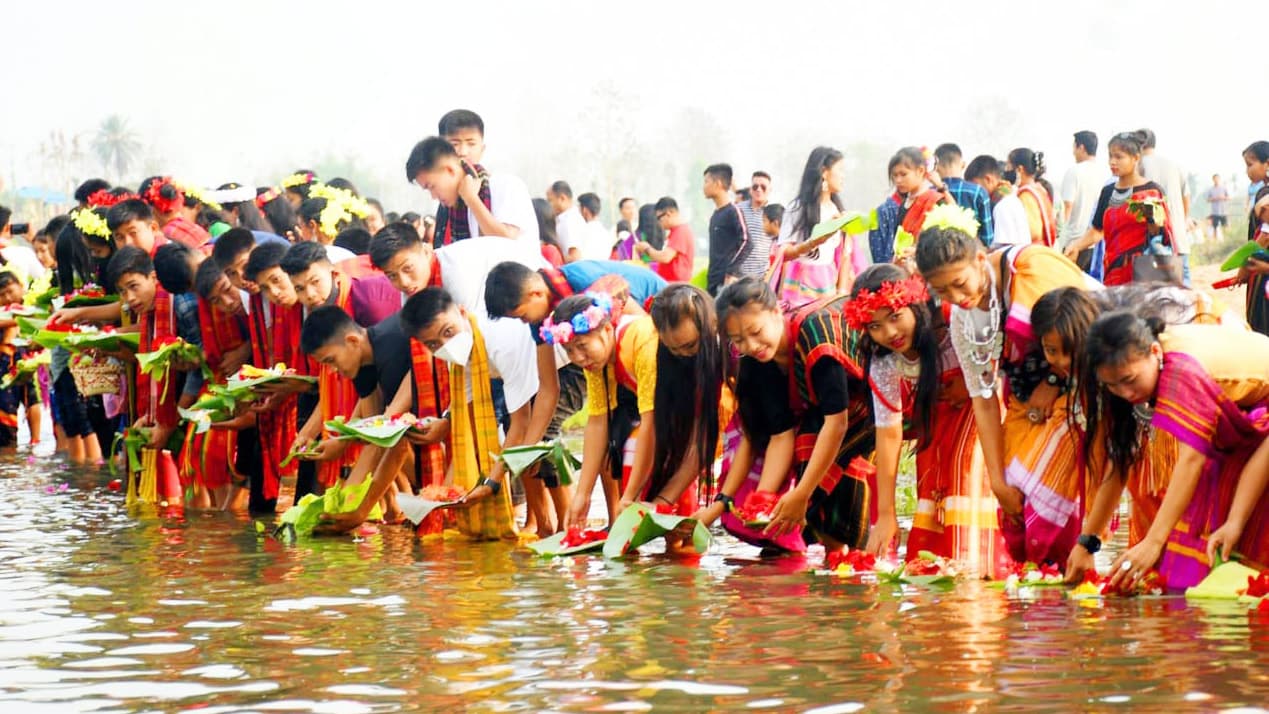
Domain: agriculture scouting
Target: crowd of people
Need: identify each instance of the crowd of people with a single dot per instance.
(1039, 349)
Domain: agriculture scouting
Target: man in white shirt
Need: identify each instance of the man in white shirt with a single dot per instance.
(570, 227)
(16, 255)
(599, 242)
(497, 206)
(1081, 187)
(1007, 213)
(1176, 194)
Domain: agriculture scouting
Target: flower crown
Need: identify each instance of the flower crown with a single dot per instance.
(583, 322)
(268, 196)
(103, 198)
(89, 223)
(341, 206)
(892, 295)
(197, 194)
(154, 195)
(950, 215)
(300, 179)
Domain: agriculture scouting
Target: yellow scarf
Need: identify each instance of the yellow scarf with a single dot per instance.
(473, 448)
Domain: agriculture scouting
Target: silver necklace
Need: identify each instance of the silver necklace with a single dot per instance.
(985, 348)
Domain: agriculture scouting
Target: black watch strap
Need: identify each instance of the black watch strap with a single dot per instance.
(1091, 543)
(724, 499)
(494, 486)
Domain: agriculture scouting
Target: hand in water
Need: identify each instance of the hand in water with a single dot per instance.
(338, 523)
(1134, 563)
(1077, 564)
(578, 512)
(882, 535)
(788, 516)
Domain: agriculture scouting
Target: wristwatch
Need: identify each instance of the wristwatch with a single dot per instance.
(494, 486)
(1091, 543)
(727, 501)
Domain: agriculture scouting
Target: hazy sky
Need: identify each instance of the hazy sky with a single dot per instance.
(247, 90)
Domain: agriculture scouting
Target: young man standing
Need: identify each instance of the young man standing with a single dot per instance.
(1176, 193)
(675, 260)
(728, 236)
(570, 226)
(950, 167)
(598, 242)
(1218, 207)
(629, 209)
(1081, 186)
(1008, 215)
(759, 257)
(497, 205)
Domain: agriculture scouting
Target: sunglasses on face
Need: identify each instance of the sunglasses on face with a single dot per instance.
(758, 187)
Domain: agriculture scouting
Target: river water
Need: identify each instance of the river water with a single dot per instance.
(106, 610)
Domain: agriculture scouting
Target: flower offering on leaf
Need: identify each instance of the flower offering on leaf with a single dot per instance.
(851, 562)
(1258, 586)
(757, 508)
(438, 520)
(576, 536)
(666, 508)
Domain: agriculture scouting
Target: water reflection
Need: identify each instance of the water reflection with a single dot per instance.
(102, 609)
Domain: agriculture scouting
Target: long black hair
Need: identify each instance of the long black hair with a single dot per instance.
(1113, 339)
(821, 159)
(650, 229)
(734, 298)
(546, 224)
(282, 217)
(926, 338)
(1069, 312)
(75, 264)
(688, 389)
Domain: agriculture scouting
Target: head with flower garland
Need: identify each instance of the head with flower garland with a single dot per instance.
(952, 259)
(892, 310)
(583, 324)
(295, 187)
(749, 316)
(909, 170)
(164, 196)
(279, 214)
(329, 210)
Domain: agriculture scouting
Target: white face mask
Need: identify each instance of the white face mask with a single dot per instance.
(457, 349)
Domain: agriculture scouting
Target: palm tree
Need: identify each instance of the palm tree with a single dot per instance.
(116, 145)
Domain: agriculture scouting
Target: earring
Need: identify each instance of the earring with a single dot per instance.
(823, 185)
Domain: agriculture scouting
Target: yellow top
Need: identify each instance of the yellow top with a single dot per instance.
(637, 356)
(1238, 360)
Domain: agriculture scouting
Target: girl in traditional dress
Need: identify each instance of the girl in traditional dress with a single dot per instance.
(1061, 319)
(1256, 273)
(811, 270)
(1130, 213)
(917, 386)
(1030, 454)
(914, 194)
(1207, 386)
(1028, 167)
(805, 409)
(619, 357)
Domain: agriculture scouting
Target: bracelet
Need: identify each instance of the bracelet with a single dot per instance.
(494, 486)
(724, 499)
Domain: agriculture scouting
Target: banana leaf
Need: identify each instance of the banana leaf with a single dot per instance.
(303, 517)
(519, 459)
(639, 524)
(1239, 258)
(44, 300)
(25, 368)
(249, 377)
(89, 300)
(215, 405)
(50, 338)
(903, 241)
(899, 575)
(553, 546)
(105, 341)
(159, 362)
(29, 326)
(299, 453)
(1223, 583)
(13, 312)
(416, 509)
(378, 431)
(850, 222)
(132, 440)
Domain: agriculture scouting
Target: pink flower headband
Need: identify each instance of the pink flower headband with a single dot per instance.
(582, 323)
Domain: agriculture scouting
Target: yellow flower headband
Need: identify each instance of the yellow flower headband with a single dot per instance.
(294, 180)
(89, 223)
(950, 215)
(198, 195)
(341, 206)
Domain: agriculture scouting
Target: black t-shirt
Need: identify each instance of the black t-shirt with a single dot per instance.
(392, 360)
(727, 246)
(831, 387)
(763, 392)
(1112, 196)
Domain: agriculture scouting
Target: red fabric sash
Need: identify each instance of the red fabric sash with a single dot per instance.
(1127, 237)
(209, 457)
(276, 426)
(338, 395)
(157, 329)
(431, 399)
(921, 205)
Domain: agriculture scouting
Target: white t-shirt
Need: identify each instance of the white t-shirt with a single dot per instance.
(599, 242)
(571, 230)
(466, 264)
(510, 203)
(1171, 179)
(1081, 187)
(23, 259)
(1010, 219)
(513, 358)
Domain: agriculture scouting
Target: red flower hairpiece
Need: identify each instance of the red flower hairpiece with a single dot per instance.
(103, 198)
(894, 296)
(273, 193)
(154, 195)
